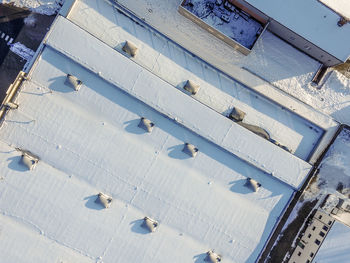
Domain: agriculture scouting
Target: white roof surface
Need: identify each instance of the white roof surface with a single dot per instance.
(88, 141)
(336, 247)
(311, 20)
(273, 64)
(163, 97)
(160, 56)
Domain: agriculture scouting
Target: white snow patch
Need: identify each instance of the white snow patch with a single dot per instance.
(45, 7)
(30, 21)
(22, 51)
(336, 247)
(272, 58)
(332, 98)
(342, 7)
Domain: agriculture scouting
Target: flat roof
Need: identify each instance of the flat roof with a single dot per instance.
(312, 20)
(342, 7)
(89, 141)
(219, 92)
(163, 97)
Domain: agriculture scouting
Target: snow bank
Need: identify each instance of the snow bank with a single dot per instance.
(332, 98)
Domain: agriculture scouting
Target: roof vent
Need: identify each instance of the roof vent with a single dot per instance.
(130, 48)
(253, 184)
(236, 114)
(146, 124)
(190, 149)
(150, 224)
(73, 82)
(29, 159)
(104, 200)
(191, 87)
(213, 257)
(342, 21)
(11, 105)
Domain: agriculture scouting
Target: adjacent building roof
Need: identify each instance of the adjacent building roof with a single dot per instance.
(342, 7)
(312, 20)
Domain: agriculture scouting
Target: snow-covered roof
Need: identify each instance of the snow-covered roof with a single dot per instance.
(272, 65)
(88, 141)
(311, 20)
(336, 247)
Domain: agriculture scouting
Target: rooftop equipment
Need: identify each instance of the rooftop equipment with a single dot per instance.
(191, 87)
(236, 114)
(150, 224)
(130, 48)
(190, 149)
(104, 200)
(253, 184)
(73, 82)
(213, 257)
(146, 124)
(11, 105)
(29, 159)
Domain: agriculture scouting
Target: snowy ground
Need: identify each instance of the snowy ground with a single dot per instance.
(22, 51)
(45, 7)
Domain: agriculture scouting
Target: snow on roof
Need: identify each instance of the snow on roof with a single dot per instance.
(198, 118)
(274, 69)
(311, 20)
(336, 247)
(160, 56)
(88, 141)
